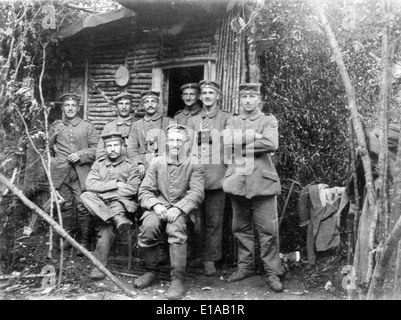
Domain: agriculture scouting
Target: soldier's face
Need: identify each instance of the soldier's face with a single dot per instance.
(124, 108)
(70, 109)
(190, 96)
(113, 149)
(249, 101)
(150, 105)
(209, 97)
(176, 143)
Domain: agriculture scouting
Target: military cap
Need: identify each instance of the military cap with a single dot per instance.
(150, 93)
(112, 136)
(123, 95)
(209, 84)
(180, 128)
(249, 88)
(70, 96)
(193, 85)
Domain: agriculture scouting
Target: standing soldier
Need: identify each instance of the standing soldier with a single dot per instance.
(112, 186)
(171, 190)
(123, 122)
(209, 124)
(190, 95)
(147, 137)
(253, 183)
(73, 144)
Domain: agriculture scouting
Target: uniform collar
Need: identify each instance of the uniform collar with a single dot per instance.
(74, 121)
(177, 161)
(194, 111)
(253, 116)
(155, 117)
(114, 163)
(212, 114)
(127, 121)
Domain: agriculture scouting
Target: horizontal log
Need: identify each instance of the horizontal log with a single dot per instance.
(138, 62)
(97, 100)
(97, 108)
(103, 66)
(139, 81)
(107, 60)
(147, 51)
(100, 72)
(104, 119)
(141, 75)
(189, 46)
(108, 115)
(109, 55)
(137, 87)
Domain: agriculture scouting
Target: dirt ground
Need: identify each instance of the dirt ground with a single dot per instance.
(302, 281)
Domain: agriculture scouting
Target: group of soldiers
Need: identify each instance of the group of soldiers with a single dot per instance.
(176, 174)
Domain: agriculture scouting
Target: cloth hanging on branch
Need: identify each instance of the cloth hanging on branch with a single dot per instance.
(320, 208)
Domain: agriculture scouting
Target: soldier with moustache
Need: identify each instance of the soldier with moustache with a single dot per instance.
(112, 187)
(122, 123)
(147, 136)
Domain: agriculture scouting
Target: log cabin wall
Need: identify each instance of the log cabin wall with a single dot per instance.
(231, 63)
(141, 45)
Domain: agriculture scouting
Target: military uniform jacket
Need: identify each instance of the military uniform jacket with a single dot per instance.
(211, 153)
(115, 181)
(116, 125)
(260, 177)
(177, 184)
(185, 114)
(143, 133)
(77, 136)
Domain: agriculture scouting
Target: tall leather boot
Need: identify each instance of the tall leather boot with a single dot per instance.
(86, 232)
(178, 260)
(103, 245)
(151, 258)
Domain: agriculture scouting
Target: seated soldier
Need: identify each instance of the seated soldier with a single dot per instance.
(171, 190)
(112, 186)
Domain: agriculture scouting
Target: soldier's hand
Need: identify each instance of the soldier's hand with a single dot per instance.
(160, 210)
(258, 136)
(73, 157)
(141, 169)
(172, 214)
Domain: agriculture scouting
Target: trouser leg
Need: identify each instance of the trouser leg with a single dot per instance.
(242, 226)
(84, 218)
(213, 224)
(177, 238)
(67, 207)
(266, 221)
(150, 235)
(104, 242)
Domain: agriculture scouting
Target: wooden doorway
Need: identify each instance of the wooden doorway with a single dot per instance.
(175, 78)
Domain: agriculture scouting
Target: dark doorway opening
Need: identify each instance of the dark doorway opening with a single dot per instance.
(176, 78)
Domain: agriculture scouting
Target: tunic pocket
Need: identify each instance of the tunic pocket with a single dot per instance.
(270, 175)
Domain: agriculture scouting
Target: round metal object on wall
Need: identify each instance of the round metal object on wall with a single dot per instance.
(122, 76)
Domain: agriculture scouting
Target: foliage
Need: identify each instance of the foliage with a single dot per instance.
(27, 65)
(302, 85)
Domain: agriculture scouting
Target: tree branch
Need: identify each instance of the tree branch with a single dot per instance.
(64, 234)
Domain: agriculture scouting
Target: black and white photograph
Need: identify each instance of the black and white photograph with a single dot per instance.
(218, 153)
